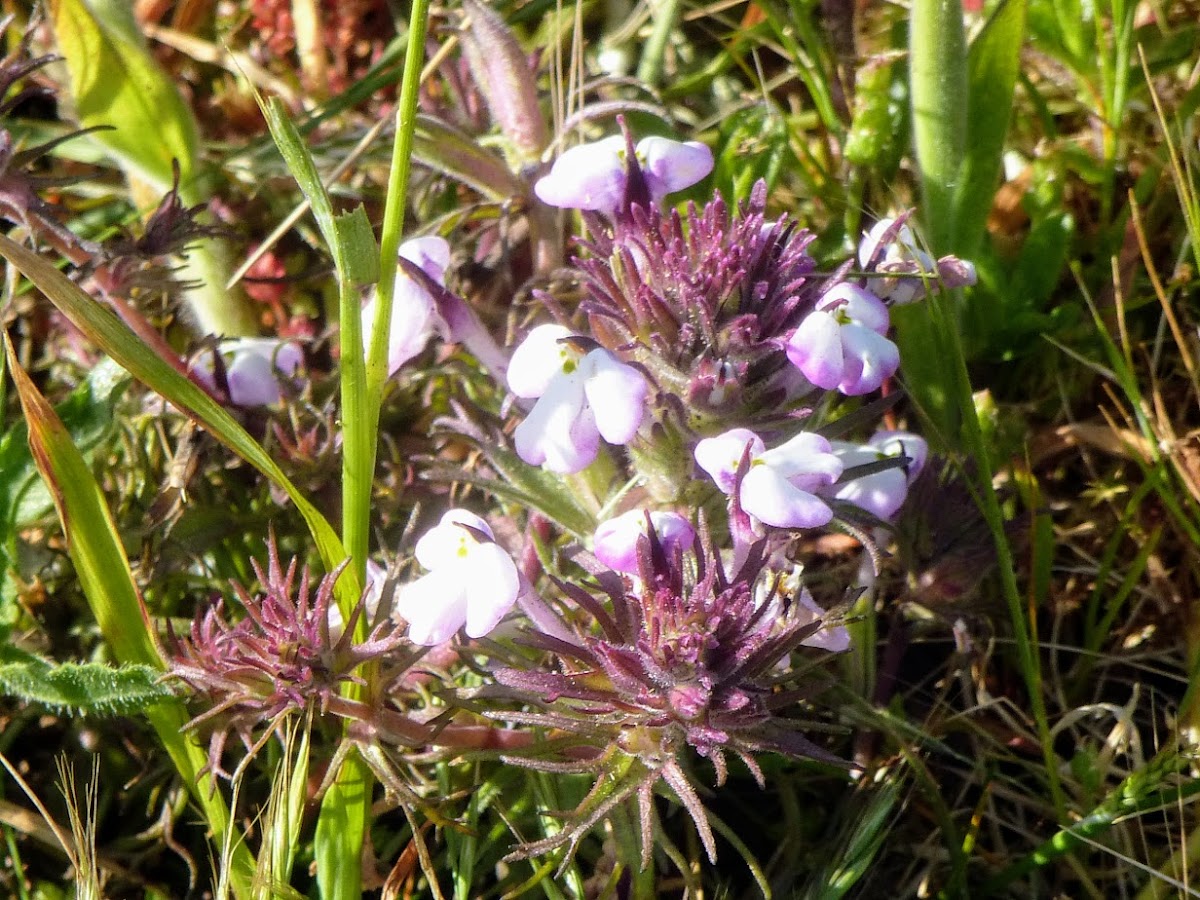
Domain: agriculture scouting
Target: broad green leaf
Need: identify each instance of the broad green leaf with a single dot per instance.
(99, 559)
(113, 337)
(147, 128)
(341, 830)
(993, 63)
(82, 688)
(115, 82)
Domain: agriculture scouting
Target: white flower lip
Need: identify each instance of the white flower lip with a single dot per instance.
(581, 398)
(471, 583)
(778, 488)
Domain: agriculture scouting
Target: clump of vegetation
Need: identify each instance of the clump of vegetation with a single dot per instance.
(599, 452)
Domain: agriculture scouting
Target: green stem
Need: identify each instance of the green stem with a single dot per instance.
(1026, 641)
(342, 827)
(938, 72)
(397, 195)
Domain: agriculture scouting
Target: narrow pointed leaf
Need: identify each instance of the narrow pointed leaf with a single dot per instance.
(455, 154)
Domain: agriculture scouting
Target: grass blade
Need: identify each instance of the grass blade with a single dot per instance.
(993, 63)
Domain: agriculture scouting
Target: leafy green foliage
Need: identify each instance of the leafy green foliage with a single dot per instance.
(117, 85)
(80, 688)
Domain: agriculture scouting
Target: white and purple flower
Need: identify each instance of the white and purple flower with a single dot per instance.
(615, 542)
(905, 266)
(471, 581)
(804, 609)
(881, 493)
(253, 369)
(581, 398)
(414, 311)
(595, 176)
(843, 342)
(780, 486)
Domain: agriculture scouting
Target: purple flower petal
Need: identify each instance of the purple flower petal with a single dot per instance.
(858, 305)
(875, 358)
(431, 253)
(253, 367)
(590, 176)
(615, 541)
(774, 500)
(816, 350)
(880, 494)
(671, 166)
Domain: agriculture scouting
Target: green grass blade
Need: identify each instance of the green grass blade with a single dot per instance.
(993, 63)
(99, 559)
(342, 831)
(110, 335)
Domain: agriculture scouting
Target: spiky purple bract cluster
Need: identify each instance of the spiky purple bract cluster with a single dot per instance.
(282, 656)
(685, 655)
(705, 301)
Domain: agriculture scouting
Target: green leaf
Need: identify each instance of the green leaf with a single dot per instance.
(147, 128)
(993, 63)
(81, 688)
(453, 153)
(938, 74)
(112, 336)
(115, 82)
(341, 830)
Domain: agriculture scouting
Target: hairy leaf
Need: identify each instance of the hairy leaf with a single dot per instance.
(82, 688)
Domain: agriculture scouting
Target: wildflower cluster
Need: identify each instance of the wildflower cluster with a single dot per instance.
(692, 372)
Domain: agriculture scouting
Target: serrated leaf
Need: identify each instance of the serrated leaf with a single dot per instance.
(83, 688)
(116, 82)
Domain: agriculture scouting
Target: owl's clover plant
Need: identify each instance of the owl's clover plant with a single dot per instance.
(659, 447)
